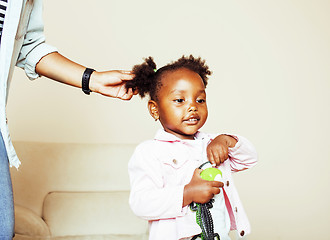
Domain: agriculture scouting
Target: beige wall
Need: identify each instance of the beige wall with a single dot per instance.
(271, 84)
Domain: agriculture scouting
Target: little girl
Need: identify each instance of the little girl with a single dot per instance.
(164, 172)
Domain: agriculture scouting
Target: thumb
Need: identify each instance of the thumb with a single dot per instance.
(198, 171)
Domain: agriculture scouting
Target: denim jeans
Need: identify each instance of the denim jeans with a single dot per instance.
(6, 196)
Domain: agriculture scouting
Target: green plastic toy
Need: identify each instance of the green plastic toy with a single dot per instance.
(203, 214)
(211, 174)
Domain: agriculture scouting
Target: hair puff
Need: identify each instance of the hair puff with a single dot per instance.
(147, 79)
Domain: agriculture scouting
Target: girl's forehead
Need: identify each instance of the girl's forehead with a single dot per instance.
(181, 76)
(179, 72)
(182, 82)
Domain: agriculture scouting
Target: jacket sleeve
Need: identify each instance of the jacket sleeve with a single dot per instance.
(149, 199)
(243, 156)
(34, 47)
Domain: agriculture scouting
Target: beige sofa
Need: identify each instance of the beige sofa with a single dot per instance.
(74, 191)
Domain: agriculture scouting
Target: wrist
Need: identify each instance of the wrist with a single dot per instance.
(93, 82)
(85, 81)
(187, 199)
(231, 141)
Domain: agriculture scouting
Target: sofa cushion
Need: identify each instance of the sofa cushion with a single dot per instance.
(49, 167)
(28, 223)
(88, 213)
(89, 237)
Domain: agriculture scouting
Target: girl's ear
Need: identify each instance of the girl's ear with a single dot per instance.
(153, 109)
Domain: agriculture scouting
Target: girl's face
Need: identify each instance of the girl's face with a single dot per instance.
(181, 106)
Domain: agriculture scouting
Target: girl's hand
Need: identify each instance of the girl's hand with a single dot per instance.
(112, 84)
(217, 150)
(200, 190)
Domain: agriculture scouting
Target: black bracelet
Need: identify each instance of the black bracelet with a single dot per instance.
(85, 80)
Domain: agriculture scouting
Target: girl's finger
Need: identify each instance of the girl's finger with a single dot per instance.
(210, 157)
(216, 157)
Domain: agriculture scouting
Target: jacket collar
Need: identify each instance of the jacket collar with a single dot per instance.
(164, 136)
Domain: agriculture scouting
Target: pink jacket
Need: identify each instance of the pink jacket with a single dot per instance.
(160, 168)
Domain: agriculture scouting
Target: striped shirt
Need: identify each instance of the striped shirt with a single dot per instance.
(3, 7)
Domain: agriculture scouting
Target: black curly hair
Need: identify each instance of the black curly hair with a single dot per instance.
(147, 78)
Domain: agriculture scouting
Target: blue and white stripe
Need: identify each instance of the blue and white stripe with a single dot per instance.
(3, 7)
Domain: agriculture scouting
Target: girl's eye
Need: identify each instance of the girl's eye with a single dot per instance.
(180, 100)
(200, 100)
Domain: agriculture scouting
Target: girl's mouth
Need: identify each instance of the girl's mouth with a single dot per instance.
(192, 120)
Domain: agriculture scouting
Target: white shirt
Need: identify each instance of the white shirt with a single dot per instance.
(3, 7)
(22, 44)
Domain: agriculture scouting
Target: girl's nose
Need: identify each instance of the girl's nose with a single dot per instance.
(192, 108)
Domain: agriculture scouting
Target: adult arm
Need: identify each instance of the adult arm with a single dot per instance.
(108, 83)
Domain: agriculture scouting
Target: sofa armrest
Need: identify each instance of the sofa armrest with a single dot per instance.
(28, 223)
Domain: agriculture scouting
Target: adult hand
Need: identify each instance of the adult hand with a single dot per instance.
(112, 84)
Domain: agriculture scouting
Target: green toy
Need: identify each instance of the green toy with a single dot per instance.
(203, 214)
(211, 174)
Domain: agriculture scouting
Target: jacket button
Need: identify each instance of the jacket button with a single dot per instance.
(235, 209)
(175, 161)
(242, 233)
(227, 183)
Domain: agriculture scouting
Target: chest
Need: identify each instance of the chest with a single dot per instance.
(178, 161)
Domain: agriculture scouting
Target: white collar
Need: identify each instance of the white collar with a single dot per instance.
(164, 136)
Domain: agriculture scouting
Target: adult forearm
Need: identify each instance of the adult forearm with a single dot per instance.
(59, 68)
(108, 83)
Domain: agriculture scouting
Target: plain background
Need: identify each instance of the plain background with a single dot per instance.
(270, 83)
